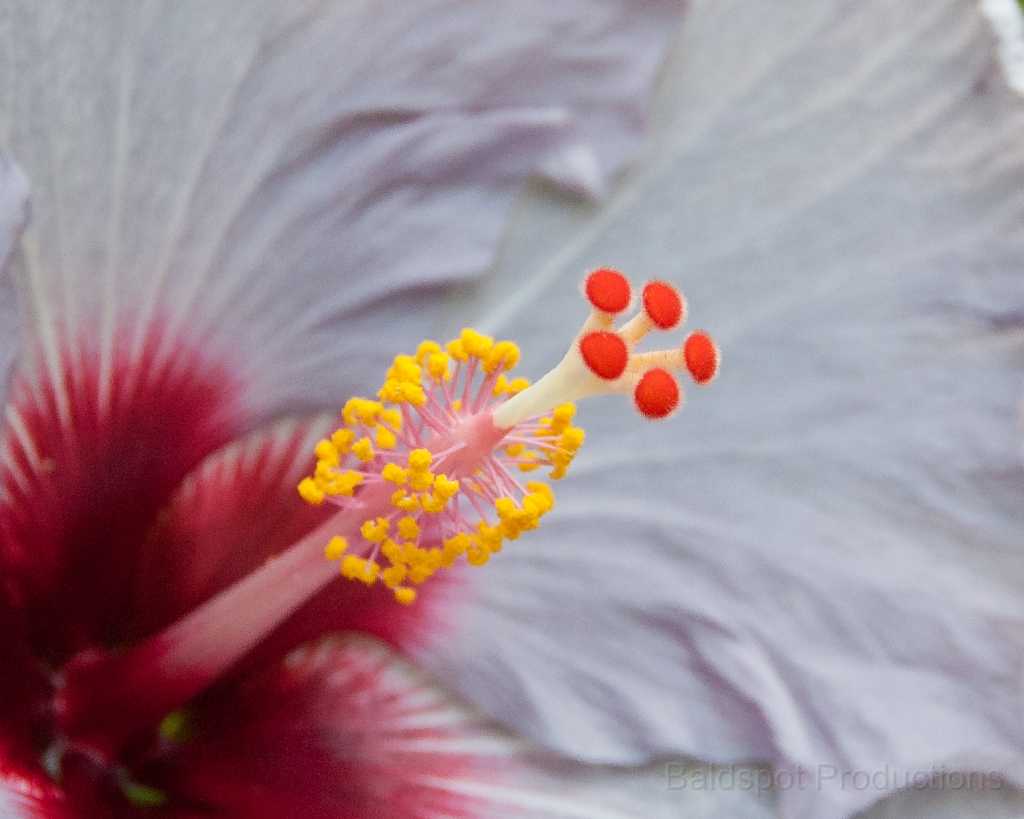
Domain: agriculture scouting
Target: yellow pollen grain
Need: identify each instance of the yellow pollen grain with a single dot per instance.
(327, 453)
(502, 356)
(386, 439)
(343, 484)
(425, 350)
(375, 530)
(457, 350)
(393, 576)
(352, 566)
(420, 460)
(395, 474)
(437, 366)
(420, 481)
(310, 492)
(404, 501)
(335, 548)
(475, 344)
(408, 528)
(405, 595)
(363, 450)
(342, 440)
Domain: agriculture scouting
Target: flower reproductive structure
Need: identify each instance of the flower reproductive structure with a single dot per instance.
(436, 469)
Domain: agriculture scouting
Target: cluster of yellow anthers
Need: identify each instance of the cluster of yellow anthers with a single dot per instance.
(431, 473)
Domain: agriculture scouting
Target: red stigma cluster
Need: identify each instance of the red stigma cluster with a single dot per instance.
(608, 355)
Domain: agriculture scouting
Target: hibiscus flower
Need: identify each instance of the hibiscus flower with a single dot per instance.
(819, 571)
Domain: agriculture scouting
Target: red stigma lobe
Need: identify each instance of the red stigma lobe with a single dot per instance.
(701, 356)
(663, 305)
(608, 290)
(657, 395)
(605, 354)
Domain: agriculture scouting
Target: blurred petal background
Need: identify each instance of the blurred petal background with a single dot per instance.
(817, 563)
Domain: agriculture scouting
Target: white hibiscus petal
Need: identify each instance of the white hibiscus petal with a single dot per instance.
(13, 217)
(255, 175)
(818, 561)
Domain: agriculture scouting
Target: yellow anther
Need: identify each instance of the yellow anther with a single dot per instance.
(363, 450)
(564, 413)
(408, 528)
(395, 474)
(310, 492)
(419, 573)
(360, 409)
(420, 460)
(437, 366)
(393, 576)
(370, 573)
(515, 520)
(420, 481)
(352, 566)
(572, 439)
(327, 453)
(475, 344)
(490, 537)
(541, 496)
(393, 418)
(349, 412)
(391, 550)
(561, 457)
(405, 369)
(398, 392)
(405, 595)
(515, 450)
(375, 530)
(540, 488)
(385, 438)
(457, 545)
(425, 350)
(502, 356)
(342, 440)
(335, 548)
(343, 484)
(433, 504)
(445, 488)
(413, 554)
(536, 505)
(457, 350)
(561, 418)
(404, 501)
(477, 556)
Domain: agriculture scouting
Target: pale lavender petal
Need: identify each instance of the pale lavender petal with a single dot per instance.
(14, 213)
(256, 176)
(819, 561)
